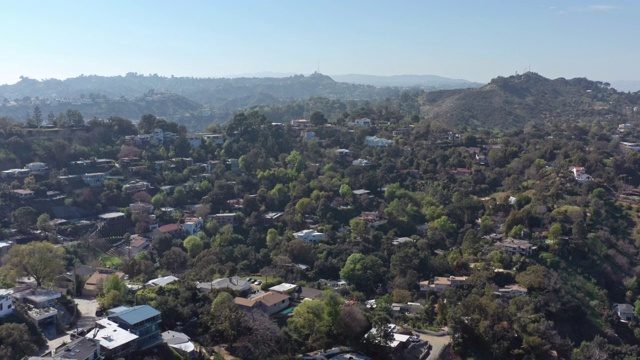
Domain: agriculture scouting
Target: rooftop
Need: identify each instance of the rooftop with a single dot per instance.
(284, 287)
(110, 335)
(135, 314)
(111, 215)
(162, 281)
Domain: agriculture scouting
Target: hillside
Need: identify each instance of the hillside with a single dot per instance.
(431, 82)
(513, 101)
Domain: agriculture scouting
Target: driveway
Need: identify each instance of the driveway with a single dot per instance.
(87, 308)
(439, 343)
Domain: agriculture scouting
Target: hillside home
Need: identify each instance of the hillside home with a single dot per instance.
(37, 168)
(364, 122)
(216, 139)
(625, 312)
(94, 179)
(141, 208)
(194, 140)
(224, 219)
(580, 175)
(516, 247)
(512, 290)
(138, 244)
(142, 321)
(192, 225)
(115, 342)
(168, 229)
(22, 193)
(300, 124)
(180, 342)
(442, 283)
(361, 162)
(309, 235)
(269, 303)
(161, 281)
(372, 219)
(41, 303)
(6, 302)
(94, 283)
(375, 141)
(233, 283)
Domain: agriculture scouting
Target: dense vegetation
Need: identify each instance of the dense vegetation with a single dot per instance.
(587, 234)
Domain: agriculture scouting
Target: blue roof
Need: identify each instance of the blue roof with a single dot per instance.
(135, 314)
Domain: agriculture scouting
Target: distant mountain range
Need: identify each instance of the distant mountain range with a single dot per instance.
(423, 81)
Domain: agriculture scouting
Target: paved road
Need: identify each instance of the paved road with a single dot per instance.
(438, 343)
(87, 309)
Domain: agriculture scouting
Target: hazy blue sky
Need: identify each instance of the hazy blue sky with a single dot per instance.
(475, 40)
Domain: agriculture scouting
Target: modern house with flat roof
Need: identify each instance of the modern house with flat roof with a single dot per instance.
(233, 283)
(6, 302)
(115, 341)
(142, 321)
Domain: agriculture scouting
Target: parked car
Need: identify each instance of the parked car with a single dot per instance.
(259, 282)
(250, 279)
(99, 311)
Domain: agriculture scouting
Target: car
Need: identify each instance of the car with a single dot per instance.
(414, 339)
(99, 311)
(259, 282)
(249, 279)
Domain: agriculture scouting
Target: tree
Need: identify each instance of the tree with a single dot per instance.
(15, 341)
(37, 115)
(194, 245)
(114, 291)
(364, 272)
(44, 223)
(174, 259)
(317, 118)
(41, 260)
(74, 117)
(24, 218)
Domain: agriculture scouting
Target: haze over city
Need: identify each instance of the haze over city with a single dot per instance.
(472, 40)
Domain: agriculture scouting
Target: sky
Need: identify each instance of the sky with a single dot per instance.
(465, 39)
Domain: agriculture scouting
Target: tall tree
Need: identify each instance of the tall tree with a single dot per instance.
(41, 260)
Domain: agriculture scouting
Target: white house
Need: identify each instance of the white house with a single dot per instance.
(38, 168)
(192, 225)
(309, 235)
(94, 179)
(6, 302)
(361, 162)
(195, 140)
(363, 122)
(157, 136)
(512, 290)
(23, 193)
(377, 142)
(580, 175)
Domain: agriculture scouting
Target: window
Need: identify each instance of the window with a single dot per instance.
(1, 306)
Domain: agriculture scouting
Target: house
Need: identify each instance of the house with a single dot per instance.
(400, 240)
(6, 302)
(516, 247)
(41, 303)
(512, 290)
(141, 208)
(141, 320)
(272, 216)
(361, 192)
(233, 283)
(161, 281)
(224, 219)
(361, 162)
(192, 225)
(23, 193)
(308, 135)
(300, 124)
(15, 173)
(284, 288)
(168, 229)
(269, 303)
(375, 141)
(115, 342)
(138, 244)
(93, 285)
(194, 140)
(334, 284)
(580, 175)
(403, 133)
(94, 179)
(180, 342)
(343, 152)
(309, 235)
(442, 283)
(372, 219)
(363, 122)
(216, 139)
(37, 168)
(398, 339)
(625, 312)
(410, 308)
(136, 186)
(304, 293)
(624, 127)
(78, 349)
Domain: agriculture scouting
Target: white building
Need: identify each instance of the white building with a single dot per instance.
(309, 235)
(363, 122)
(512, 290)
(94, 179)
(157, 136)
(23, 193)
(192, 225)
(361, 162)
(580, 175)
(377, 142)
(195, 140)
(6, 302)
(217, 139)
(114, 340)
(38, 168)
(162, 281)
